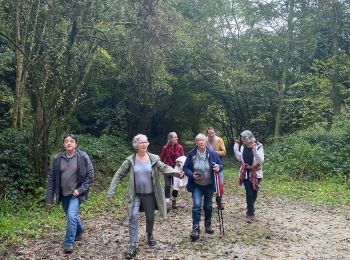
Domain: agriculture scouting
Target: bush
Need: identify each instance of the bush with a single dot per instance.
(17, 179)
(20, 185)
(106, 152)
(313, 153)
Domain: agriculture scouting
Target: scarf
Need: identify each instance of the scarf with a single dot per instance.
(202, 155)
(213, 141)
(253, 176)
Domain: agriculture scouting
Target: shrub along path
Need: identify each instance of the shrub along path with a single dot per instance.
(284, 228)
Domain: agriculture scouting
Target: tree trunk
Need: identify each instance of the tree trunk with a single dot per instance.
(20, 72)
(41, 128)
(335, 53)
(281, 90)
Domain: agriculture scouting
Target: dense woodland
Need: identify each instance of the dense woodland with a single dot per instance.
(108, 70)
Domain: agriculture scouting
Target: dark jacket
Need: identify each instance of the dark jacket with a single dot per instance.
(85, 173)
(189, 163)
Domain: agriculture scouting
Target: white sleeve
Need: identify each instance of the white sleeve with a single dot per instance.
(238, 153)
(259, 155)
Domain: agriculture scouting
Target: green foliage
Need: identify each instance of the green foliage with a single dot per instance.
(6, 101)
(18, 221)
(314, 153)
(331, 190)
(115, 67)
(17, 228)
(21, 186)
(299, 158)
(328, 191)
(106, 153)
(17, 179)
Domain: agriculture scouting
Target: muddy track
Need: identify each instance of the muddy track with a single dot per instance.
(284, 229)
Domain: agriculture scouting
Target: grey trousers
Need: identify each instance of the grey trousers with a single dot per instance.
(148, 204)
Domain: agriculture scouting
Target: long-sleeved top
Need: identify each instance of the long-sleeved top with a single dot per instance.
(85, 177)
(258, 156)
(170, 153)
(127, 168)
(218, 146)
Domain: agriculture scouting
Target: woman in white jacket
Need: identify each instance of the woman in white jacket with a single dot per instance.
(179, 184)
(251, 156)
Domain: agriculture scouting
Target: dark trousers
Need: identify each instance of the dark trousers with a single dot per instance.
(148, 204)
(168, 180)
(251, 196)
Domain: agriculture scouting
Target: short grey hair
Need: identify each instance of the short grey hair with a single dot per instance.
(136, 139)
(249, 135)
(200, 136)
(170, 135)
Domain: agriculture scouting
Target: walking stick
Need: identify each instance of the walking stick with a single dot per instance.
(218, 203)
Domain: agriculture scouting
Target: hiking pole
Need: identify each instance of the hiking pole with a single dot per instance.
(218, 203)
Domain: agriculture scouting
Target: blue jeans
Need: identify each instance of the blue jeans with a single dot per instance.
(71, 207)
(199, 192)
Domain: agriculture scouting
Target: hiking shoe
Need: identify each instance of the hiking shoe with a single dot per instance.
(195, 232)
(168, 206)
(68, 249)
(250, 219)
(79, 237)
(208, 228)
(151, 240)
(131, 253)
(173, 204)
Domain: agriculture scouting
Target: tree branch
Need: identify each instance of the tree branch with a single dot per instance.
(17, 47)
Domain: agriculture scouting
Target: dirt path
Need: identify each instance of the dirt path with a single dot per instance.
(284, 229)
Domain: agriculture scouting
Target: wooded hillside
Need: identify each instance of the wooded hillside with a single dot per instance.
(117, 68)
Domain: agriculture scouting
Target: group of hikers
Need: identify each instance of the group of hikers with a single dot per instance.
(201, 172)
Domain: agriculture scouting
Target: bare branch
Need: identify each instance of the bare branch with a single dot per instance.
(16, 46)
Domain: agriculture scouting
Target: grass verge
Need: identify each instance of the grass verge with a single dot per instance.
(329, 191)
(18, 228)
(332, 190)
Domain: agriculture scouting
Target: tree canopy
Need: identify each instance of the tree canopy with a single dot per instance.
(155, 66)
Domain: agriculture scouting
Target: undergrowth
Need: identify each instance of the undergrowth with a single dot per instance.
(17, 228)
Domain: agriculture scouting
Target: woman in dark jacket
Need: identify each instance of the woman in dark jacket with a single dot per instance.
(70, 177)
(201, 165)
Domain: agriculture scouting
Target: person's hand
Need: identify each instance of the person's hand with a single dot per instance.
(196, 176)
(76, 193)
(181, 175)
(254, 147)
(216, 168)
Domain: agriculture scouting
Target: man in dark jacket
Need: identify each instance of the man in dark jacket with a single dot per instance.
(70, 177)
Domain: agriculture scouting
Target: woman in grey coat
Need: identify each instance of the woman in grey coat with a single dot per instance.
(144, 188)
